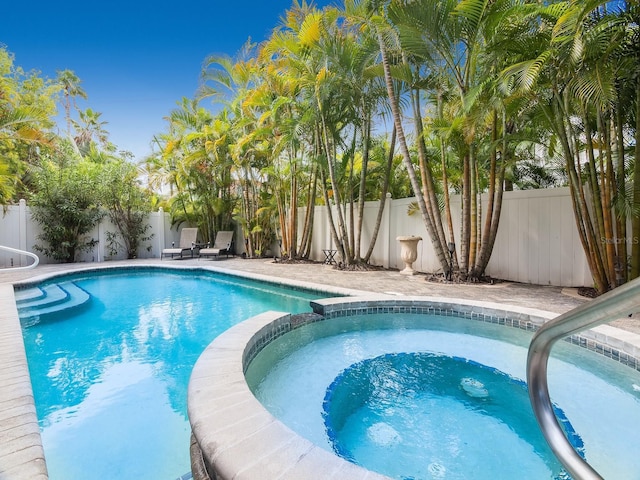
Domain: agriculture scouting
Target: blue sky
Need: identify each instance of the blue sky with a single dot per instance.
(136, 58)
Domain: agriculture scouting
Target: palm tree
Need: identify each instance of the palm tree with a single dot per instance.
(290, 111)
(18, 125)
(90, 128)
(26, 111)
(195, 163)
(235, 81)
(334, 65)
(282, 123)
(448, 40)
(70, 89)
(581, 60)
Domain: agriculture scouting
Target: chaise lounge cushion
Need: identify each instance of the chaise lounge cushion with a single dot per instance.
(188, 237)
(222, 244)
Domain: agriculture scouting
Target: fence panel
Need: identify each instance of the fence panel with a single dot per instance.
(537, 241)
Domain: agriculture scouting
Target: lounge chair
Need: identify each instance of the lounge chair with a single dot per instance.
(222, 244)
(188, 238)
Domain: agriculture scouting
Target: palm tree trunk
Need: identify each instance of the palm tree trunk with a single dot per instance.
(307, 230)
(635, 225)
(494, 202)
(350, 192)
(340, 233)
(596, 194)
(332, 225)
(580, 210)
(406, 156)
(621, 217)
(67, 111)
(383, 196)
(607, 180)
(293, 207)
(445, 188)
(428, 186)
(473, 210)
(465, 234)
(366, 143)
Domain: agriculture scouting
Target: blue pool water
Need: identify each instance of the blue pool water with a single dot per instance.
(430, 397)
(385, 412)
(110, 377)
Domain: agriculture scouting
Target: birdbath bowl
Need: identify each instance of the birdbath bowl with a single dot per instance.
(408, 252)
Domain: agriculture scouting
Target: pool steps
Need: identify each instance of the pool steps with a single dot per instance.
(35, 301)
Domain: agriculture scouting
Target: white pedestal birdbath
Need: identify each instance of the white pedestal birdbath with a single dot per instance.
(408, 252)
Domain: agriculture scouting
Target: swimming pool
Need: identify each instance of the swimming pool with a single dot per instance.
(598, 396)
(110, 376)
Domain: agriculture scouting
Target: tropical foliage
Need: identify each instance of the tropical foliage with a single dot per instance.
(422, 98)
(27, 105)
(70, 179)
(579, 64)
(66, 204)
(480, 96)
(127, 206)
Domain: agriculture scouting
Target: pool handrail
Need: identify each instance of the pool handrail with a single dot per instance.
(618, 303)
(36, 260)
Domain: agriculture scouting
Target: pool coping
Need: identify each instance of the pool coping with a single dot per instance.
(239, 439)
(21, 452)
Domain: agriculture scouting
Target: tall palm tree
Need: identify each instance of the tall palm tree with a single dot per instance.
(580, 58)
(336, 66)
(292, 61)
(70, 89)
(90, 128)
(297, 47)
(238, 80)
(448, 40)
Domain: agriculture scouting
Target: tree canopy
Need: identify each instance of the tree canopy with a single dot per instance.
(350, 103)
(68, 179)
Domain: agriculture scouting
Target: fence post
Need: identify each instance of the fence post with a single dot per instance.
(160, 231)
(386, 227)
(101, 242)
(22, 230)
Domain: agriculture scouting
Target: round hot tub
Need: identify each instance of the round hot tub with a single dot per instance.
(409, 388)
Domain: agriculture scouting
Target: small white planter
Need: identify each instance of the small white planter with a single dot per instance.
(408, 252)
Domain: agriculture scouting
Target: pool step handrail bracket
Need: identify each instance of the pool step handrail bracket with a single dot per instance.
(618, 303)
(36, 260)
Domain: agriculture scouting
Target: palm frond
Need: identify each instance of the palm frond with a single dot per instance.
(525, 74)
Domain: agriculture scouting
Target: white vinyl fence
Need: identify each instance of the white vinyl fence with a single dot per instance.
(537, 240)
(18, 230)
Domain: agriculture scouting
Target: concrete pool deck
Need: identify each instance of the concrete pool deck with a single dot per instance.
(21, 454)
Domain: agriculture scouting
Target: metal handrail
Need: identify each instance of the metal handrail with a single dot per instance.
(615, 304)
(36, 260)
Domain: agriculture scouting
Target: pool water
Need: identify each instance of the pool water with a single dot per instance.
(387, 413)
(460, 409)
(110, 379)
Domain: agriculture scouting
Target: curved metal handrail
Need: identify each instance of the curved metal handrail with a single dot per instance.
(615, 304)
(36, 260)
